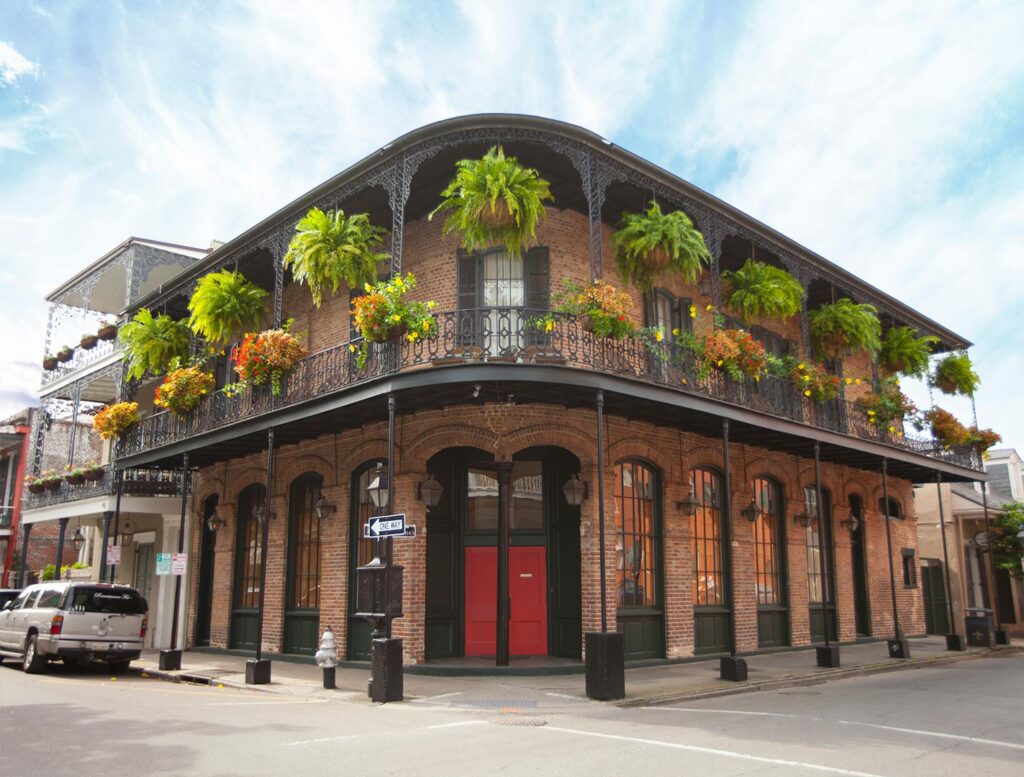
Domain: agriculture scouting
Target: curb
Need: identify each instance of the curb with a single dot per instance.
(823, 676)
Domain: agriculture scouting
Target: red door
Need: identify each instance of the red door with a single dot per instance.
(528, 629)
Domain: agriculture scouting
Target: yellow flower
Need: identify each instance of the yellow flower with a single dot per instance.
(899, 434)
(549, 326)
(871, 412)
(806, 378)
(425, 325)
(351, 349)
(800, 366)
(431, 305)
(396, 318)
(849, 381)
(659, 335)
(683, 381)
(412, 337)
(720, 362)
(676, 332)
(892, 428)
(757, 379)
(807, 393)
(367, 287)
(709, 307)
(857, 381)
(693, 311)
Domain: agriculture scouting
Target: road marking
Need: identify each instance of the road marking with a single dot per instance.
(939, 734)
(327, 739)
(439, 696)
(714, 751)
(265, 703)
(724, 712)
(565, 696)
(459, 723)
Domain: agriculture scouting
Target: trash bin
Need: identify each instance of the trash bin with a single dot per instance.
(979, 629)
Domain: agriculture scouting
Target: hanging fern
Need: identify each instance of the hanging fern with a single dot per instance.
(494, 201)
(329, 248)
(651, 243)
(150, 343)
(955, 375)
(844, 326)
(760, 290)
(903, 351)
(224, 306)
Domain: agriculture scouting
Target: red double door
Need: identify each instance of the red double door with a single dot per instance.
(528, 627)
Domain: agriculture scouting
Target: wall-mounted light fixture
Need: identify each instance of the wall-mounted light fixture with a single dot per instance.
(323, 508)
(575, 490)
(850, 522)
(688, 506)
(802, 519)
(214, 522)
(430, 491)
(751, 511)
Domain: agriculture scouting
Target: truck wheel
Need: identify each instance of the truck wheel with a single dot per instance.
(33, 663)
(119, 667)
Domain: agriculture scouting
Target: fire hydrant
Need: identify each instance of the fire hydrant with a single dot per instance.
(327, 657)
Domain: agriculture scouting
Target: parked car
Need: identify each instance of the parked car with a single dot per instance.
(7, 595)
(76, 622)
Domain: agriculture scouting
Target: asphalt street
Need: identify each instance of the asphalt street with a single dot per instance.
(956, 719)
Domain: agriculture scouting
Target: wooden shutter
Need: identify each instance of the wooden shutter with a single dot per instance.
(468, 285)
(537, 275)
(685, 322)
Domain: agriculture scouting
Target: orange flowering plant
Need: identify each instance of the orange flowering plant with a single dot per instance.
(182, 388)
(603, 309)
(384, 313)
(114, 420)
(733, 351)
(950, 433)
(267, 356)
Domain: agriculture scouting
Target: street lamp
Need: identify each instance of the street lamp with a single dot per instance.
(78, 539)
(127, 533)
(688, 505)
(378, 488)
(575, 490)
(214, 522)
(431, 491)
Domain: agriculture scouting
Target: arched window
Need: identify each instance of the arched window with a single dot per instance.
(709, 587)
(767, 564)
(890, 510)
(304, 543)
(637, 568)
(251, 506)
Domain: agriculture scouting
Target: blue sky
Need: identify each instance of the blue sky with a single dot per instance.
(887, 137)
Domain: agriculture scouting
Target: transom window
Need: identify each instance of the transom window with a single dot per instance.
(706, 488)
(526, 492)
(767, 566)
(636, 568)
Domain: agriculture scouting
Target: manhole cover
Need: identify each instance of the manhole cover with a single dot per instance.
(495, 703)
(519, 720)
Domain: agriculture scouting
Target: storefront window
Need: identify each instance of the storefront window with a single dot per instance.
(766, 543)
(706, 488)
(636, 569)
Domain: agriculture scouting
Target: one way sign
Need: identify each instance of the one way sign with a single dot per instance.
(386, 526)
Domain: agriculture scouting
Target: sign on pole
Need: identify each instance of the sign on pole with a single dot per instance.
(113, 554)
(385, 526)
(178, 563)
(163, 563)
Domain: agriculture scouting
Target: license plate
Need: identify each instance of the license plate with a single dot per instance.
(100, 645)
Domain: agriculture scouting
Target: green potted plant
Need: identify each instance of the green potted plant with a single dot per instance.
(225, 306)
(651, 243)
(75, 476)
(107, 330)
(88, 341)
(955, 375)
(65, 353)
(758, 290)
(888, 407)
(268, 357)
(34, 484)
(50, 362)
(329, 248)
(903, 351)
(182, 388)
(51, 480)
(494, 201)
(114, 420)
(384, 314)
(601, 308)
(94, 471)
(950, 433)
(844, 326)
(733, 351)
(150, 343)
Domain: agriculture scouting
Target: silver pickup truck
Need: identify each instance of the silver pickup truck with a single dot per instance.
(76, 622)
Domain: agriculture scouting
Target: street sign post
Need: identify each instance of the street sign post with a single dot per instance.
(385, 526)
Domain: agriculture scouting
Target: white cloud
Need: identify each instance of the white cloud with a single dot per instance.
(12, 64)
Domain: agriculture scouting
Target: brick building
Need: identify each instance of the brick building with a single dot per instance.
(716, 538)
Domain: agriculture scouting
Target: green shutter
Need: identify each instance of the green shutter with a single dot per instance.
(537, 274)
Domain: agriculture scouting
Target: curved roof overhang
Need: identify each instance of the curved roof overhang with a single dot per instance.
(491, 126)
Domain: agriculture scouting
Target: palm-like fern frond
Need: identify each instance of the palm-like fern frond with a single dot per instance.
(845, 326)
(641, 234)
(150, 343)
(494, 200)
(904, 351)
(224, 306)
(758, 289)
(329, 248)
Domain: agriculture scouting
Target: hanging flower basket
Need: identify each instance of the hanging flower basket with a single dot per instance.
(107, 332)
(88, 342)
(657, 259)
(497, 218)
(50, 363)
(75, 477)
(34, 485)
(52, 481)
(267, 356)
(94, 472)
(182, 389)
(383, 314)
(65, 354)
(114, 420)
(602, 309)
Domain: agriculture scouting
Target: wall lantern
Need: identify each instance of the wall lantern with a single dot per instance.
(430, 491)
(850, 522)
(323, 508)
(575, 490)
(378, 488)
(214, 522)
(259, 512)
(688, 506)
(127, 533)
(751, 511)
(802, 519)
(77, 539)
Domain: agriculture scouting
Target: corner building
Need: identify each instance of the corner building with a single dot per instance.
(496, 411)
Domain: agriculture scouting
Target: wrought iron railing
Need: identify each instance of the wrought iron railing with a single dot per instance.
(137, 482)
(82, 359)
(517, 336)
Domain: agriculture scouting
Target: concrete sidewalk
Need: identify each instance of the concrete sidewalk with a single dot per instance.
(644, 685)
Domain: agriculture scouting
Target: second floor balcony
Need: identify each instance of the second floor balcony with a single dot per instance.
(508, 345)
(136, 482)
